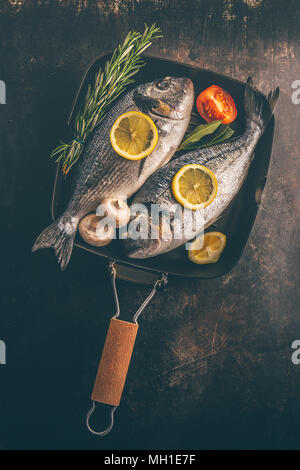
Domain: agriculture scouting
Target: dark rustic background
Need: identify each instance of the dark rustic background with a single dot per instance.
(212, 364)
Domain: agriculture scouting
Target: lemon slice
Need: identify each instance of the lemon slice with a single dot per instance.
(194, 186)
(133, 135)
(207, 249)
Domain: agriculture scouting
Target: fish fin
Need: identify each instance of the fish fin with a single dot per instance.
(141, 168)
(60, 237)
(259, 108)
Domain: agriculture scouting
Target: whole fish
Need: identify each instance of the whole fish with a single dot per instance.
(229, 162)
(104, 174)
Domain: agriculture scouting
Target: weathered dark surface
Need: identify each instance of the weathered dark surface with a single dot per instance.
(212, 363)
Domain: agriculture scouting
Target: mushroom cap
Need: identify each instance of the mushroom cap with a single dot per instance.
(93, 232)
(117, 209)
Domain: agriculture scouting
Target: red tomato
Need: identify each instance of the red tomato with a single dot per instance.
(214, 103)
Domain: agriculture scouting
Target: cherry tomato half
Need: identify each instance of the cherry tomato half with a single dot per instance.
(214, 103)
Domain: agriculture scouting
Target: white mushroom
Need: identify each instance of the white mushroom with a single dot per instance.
(117, 209)
(94, 232)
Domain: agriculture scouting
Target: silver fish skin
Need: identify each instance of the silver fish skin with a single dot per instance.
(229, 162)
(103, 174)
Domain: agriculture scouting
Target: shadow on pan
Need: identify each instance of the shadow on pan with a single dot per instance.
(236, 221)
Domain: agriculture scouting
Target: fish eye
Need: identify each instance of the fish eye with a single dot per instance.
(163, 84)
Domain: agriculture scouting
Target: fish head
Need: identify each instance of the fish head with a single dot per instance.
(153, 240)
(166, 98)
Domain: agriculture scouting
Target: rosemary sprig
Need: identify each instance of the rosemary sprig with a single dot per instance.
(109, 83)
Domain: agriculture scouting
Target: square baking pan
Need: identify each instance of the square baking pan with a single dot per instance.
(236, 221)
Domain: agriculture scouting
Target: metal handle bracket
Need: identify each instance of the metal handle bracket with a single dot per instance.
(158, 284)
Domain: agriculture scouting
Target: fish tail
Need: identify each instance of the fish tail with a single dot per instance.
(259, 108)
(60, 236)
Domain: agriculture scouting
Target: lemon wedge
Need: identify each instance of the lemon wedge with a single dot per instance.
(207, 249)
(194, 186)
(133, 135)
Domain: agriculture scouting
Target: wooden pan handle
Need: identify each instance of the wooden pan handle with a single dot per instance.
(114, 362)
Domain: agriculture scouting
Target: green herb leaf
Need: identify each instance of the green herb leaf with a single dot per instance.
(206, 135)
(198, 133)
(216, 136)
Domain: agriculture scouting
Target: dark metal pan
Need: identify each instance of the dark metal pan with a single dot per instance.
(236, 222)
